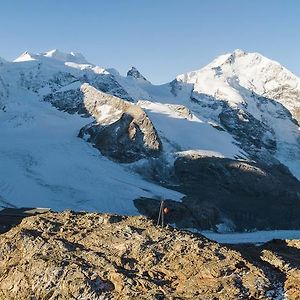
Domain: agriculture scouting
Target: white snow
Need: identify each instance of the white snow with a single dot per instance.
(257, 237)
(65, 57)
(26, 56)
(180, 133)
(44, 163)
(239, 78)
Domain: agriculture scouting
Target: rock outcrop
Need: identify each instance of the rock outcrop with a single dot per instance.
(122, 130)
(252, 195)
(245, 195)
(98, 256)
(135, 73)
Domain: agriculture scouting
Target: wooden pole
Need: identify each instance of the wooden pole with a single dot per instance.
(161, 214)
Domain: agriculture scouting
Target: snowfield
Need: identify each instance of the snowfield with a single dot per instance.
(182, 131)
(257, 237)
(44, 163)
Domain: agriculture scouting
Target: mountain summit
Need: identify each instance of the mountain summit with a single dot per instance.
(135, 73)
(250, 71)
(55, 54)
(214, 141)
(66, 57)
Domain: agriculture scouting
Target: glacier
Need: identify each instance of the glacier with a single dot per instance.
(242, 106)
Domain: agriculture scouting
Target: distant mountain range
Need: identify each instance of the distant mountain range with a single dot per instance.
(222, 143)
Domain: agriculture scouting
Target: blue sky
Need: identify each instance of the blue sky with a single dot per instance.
(162, 38)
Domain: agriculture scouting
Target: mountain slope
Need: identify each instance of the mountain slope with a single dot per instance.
(44, 163)
(98, 256)
(251, 71)
(240, 110)
(256, 100)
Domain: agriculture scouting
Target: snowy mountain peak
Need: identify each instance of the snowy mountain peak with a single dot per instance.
(239, 52)
(227, 75)
(26, 56)
(241, 59)
(238, 55)
(55, 54)
(135, 73)
(66, 57)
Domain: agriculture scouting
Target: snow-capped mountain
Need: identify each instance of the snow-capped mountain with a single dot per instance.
(69, 126)
(254, 98)
(55, 54)
(135, 73)
(227, 77)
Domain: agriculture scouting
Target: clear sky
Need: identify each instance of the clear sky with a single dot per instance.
(162, 38)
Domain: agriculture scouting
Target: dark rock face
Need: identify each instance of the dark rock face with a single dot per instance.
(246, 195)
(122, 130)
(69, 101)
(201, 215)
(108, 84)
(251, 195)
(122, 141)
(3, 91)
(248, 131)
(134, 72)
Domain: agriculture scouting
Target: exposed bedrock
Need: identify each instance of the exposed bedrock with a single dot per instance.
(243, 195)
(122, 130)
(98, 256)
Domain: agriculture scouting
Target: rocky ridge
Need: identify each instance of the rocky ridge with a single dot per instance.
(122, 130)
(98, 256)
(243, 192)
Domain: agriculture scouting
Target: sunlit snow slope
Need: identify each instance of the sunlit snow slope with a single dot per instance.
(259, 92)
(242, 105)
(44, 163)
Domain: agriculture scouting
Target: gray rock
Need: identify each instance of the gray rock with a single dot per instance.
(122, 130)
(135, 73)
(248, 195)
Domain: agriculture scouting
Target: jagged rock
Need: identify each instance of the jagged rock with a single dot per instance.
(281, 263)
(70, 97)
(97, 256)
(122, 130)
(244, 195)
(135, 73)
(241, 191)
(70, 101)
(251, 133)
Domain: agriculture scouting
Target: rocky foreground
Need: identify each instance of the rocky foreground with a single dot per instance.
(99, 256)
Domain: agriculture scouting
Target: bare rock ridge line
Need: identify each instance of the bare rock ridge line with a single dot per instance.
(100, 256)
(134, 72)
(242, 193)
(122, 130)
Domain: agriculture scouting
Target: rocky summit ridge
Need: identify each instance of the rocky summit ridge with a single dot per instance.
(71, 255)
